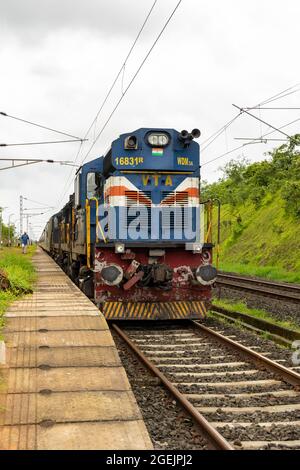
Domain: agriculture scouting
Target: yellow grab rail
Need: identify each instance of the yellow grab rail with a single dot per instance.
(88, 228)
(98, 223)
(208, 238)
(88, 232)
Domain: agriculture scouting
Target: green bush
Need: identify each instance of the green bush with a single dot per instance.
(260, 214)
(19, 270)
(20, 273)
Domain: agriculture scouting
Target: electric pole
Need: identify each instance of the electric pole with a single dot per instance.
(9, 234)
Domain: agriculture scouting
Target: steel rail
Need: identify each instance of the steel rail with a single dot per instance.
(216, 440)
(259, 324)
(262, 282)
(286, 374)
(269, 291)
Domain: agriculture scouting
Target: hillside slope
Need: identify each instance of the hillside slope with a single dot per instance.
(260, 215)
(264, 241)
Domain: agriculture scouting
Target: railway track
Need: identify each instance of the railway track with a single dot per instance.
(278, 290)
(278, 333)
(238, 397)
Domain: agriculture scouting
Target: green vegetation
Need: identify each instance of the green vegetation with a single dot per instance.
(7, 233)
(225, 321)
(20, 274)
(260, 214)
(254, 312)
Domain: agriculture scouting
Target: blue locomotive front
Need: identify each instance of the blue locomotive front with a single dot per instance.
(134, 235)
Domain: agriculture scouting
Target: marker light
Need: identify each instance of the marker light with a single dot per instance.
(119, 247)
(158, 139)
(194, 247)
(131, 143)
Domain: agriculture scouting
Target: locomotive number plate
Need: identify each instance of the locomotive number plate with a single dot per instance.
(129, 161)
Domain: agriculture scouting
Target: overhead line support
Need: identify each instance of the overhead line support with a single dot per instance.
(243, 110)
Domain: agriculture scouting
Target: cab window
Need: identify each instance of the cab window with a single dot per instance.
(77, 191)
(93, 185)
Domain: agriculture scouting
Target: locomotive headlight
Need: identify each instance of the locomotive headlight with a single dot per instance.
(159, 139)
(112, 274)
(119, 248)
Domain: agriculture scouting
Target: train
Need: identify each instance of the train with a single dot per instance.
(134, 235)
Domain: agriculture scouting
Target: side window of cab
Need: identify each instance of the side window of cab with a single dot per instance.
(94, 185)
(77, 191)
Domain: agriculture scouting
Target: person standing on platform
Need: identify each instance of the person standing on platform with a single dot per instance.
(24, 241)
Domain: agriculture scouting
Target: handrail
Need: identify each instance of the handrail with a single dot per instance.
(96, 200)
(208, 204)
(88, 232)
(88, 228)
(218, 231)
(98, 223)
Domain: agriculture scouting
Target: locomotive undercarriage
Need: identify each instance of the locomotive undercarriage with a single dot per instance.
(135, 285)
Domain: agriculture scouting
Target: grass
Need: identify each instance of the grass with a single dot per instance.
(260, 241)
(226, 321)
(254, 312)
(20, 273)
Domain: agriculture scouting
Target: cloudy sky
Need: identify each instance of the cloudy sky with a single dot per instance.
(59, 58)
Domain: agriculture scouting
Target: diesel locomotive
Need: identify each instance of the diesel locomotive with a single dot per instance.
(134, 235)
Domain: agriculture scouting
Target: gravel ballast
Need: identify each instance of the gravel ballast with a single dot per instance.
(168, 425)
(200, 365)
(280, 309)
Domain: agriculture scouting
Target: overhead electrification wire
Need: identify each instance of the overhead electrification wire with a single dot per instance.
(262, 137)
(227, 153)
(42, 143)
(248, 143)
(216, 134)
(273, 98)
(18, 162)
(122, 68)
(266, 123)
(277, 109)
(206, 143)
(2, 113)
(36, 208)
(121, 71)
(36, 202)
(279, 95)
(282, 127)
(282, 96)
(131, 81)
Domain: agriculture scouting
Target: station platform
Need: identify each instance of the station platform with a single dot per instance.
(63, 385)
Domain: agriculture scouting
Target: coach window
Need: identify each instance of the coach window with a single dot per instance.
(93, 185)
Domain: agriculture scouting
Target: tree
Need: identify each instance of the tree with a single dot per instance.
(243, 182)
